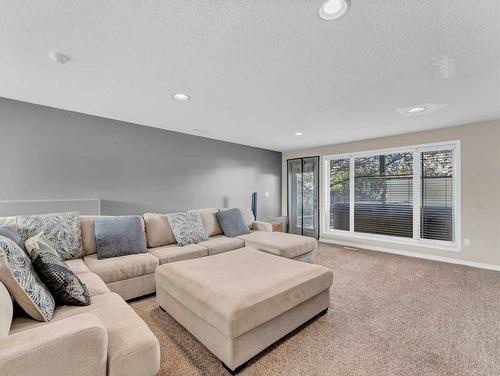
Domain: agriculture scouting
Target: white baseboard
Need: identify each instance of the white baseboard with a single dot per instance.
(413, 254)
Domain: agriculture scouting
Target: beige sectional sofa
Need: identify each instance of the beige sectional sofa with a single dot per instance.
(108, 337)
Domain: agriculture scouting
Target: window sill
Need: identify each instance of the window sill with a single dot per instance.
(432, 244)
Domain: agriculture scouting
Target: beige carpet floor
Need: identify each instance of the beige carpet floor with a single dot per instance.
(389, 315)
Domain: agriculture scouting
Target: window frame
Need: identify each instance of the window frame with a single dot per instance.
(416, 150)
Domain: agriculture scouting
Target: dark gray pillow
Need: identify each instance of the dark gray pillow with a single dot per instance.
(119, 236)
(63, 284)
(232, 222)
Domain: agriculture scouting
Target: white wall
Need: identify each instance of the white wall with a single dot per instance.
(480, 188)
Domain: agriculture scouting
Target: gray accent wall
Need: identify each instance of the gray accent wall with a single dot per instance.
(51, 154)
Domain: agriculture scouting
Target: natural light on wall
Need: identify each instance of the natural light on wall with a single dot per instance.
(406, 195)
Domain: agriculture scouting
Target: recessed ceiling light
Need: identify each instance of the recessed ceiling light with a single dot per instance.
(421, 109)
(298, 133)
(181, 96)
(416, 109)
(59, 58)
(332, 9)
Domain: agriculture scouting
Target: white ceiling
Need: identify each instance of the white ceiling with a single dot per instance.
(257, 71)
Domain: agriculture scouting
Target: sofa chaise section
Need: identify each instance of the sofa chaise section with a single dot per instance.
(282, 244)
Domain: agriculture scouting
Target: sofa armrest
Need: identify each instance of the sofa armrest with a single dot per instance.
(262, 226)
(76, 345)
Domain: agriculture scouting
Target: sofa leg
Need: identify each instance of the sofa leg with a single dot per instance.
(323, 312)
(236, 370)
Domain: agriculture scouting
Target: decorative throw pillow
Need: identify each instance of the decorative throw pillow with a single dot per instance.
(18, 275)
(65, 286)
(119, 236)
(62, 231)
(11, 233)
(232, 222)
(187, 228)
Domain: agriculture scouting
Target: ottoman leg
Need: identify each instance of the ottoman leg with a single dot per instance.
(236, 370)
(324, 312)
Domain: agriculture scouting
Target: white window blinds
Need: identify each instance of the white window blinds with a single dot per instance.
(405, 194)
(437, 195)
(339, 194)
(384, 194)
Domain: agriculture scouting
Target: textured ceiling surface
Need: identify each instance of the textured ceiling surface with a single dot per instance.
(258, 71)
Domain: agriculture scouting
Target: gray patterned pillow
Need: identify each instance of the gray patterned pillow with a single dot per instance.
(187, 228)
(62, 231)
(18, 275)
(64, 285)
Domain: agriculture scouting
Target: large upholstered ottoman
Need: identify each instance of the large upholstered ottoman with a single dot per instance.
(239, 302)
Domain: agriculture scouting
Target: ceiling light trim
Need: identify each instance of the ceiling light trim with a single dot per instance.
(181, 97)
(333, 9)
(58, 57)
(420, 109)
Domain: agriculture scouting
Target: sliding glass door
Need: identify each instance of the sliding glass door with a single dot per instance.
(303, 177)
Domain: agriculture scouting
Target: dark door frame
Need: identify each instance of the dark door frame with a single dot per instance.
(302, 190)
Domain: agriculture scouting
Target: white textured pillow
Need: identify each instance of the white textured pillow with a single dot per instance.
(22, 282)
(62, 230)
(187, 228)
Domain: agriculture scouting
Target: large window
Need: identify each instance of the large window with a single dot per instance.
(407, 194)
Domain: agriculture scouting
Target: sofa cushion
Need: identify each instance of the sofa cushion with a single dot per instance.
(240, 290)
(119, 236)
(121, 268)
(221, 243)
(158, 230)
(280, 243)
(77, 266)
(95, 285)
(62, 230)
(6, 311)
(209, 220)
(88, 232)
(22, 282)
(64, 285)
(232, 222)
(187, 228)
(133, 349)
(174, 252)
